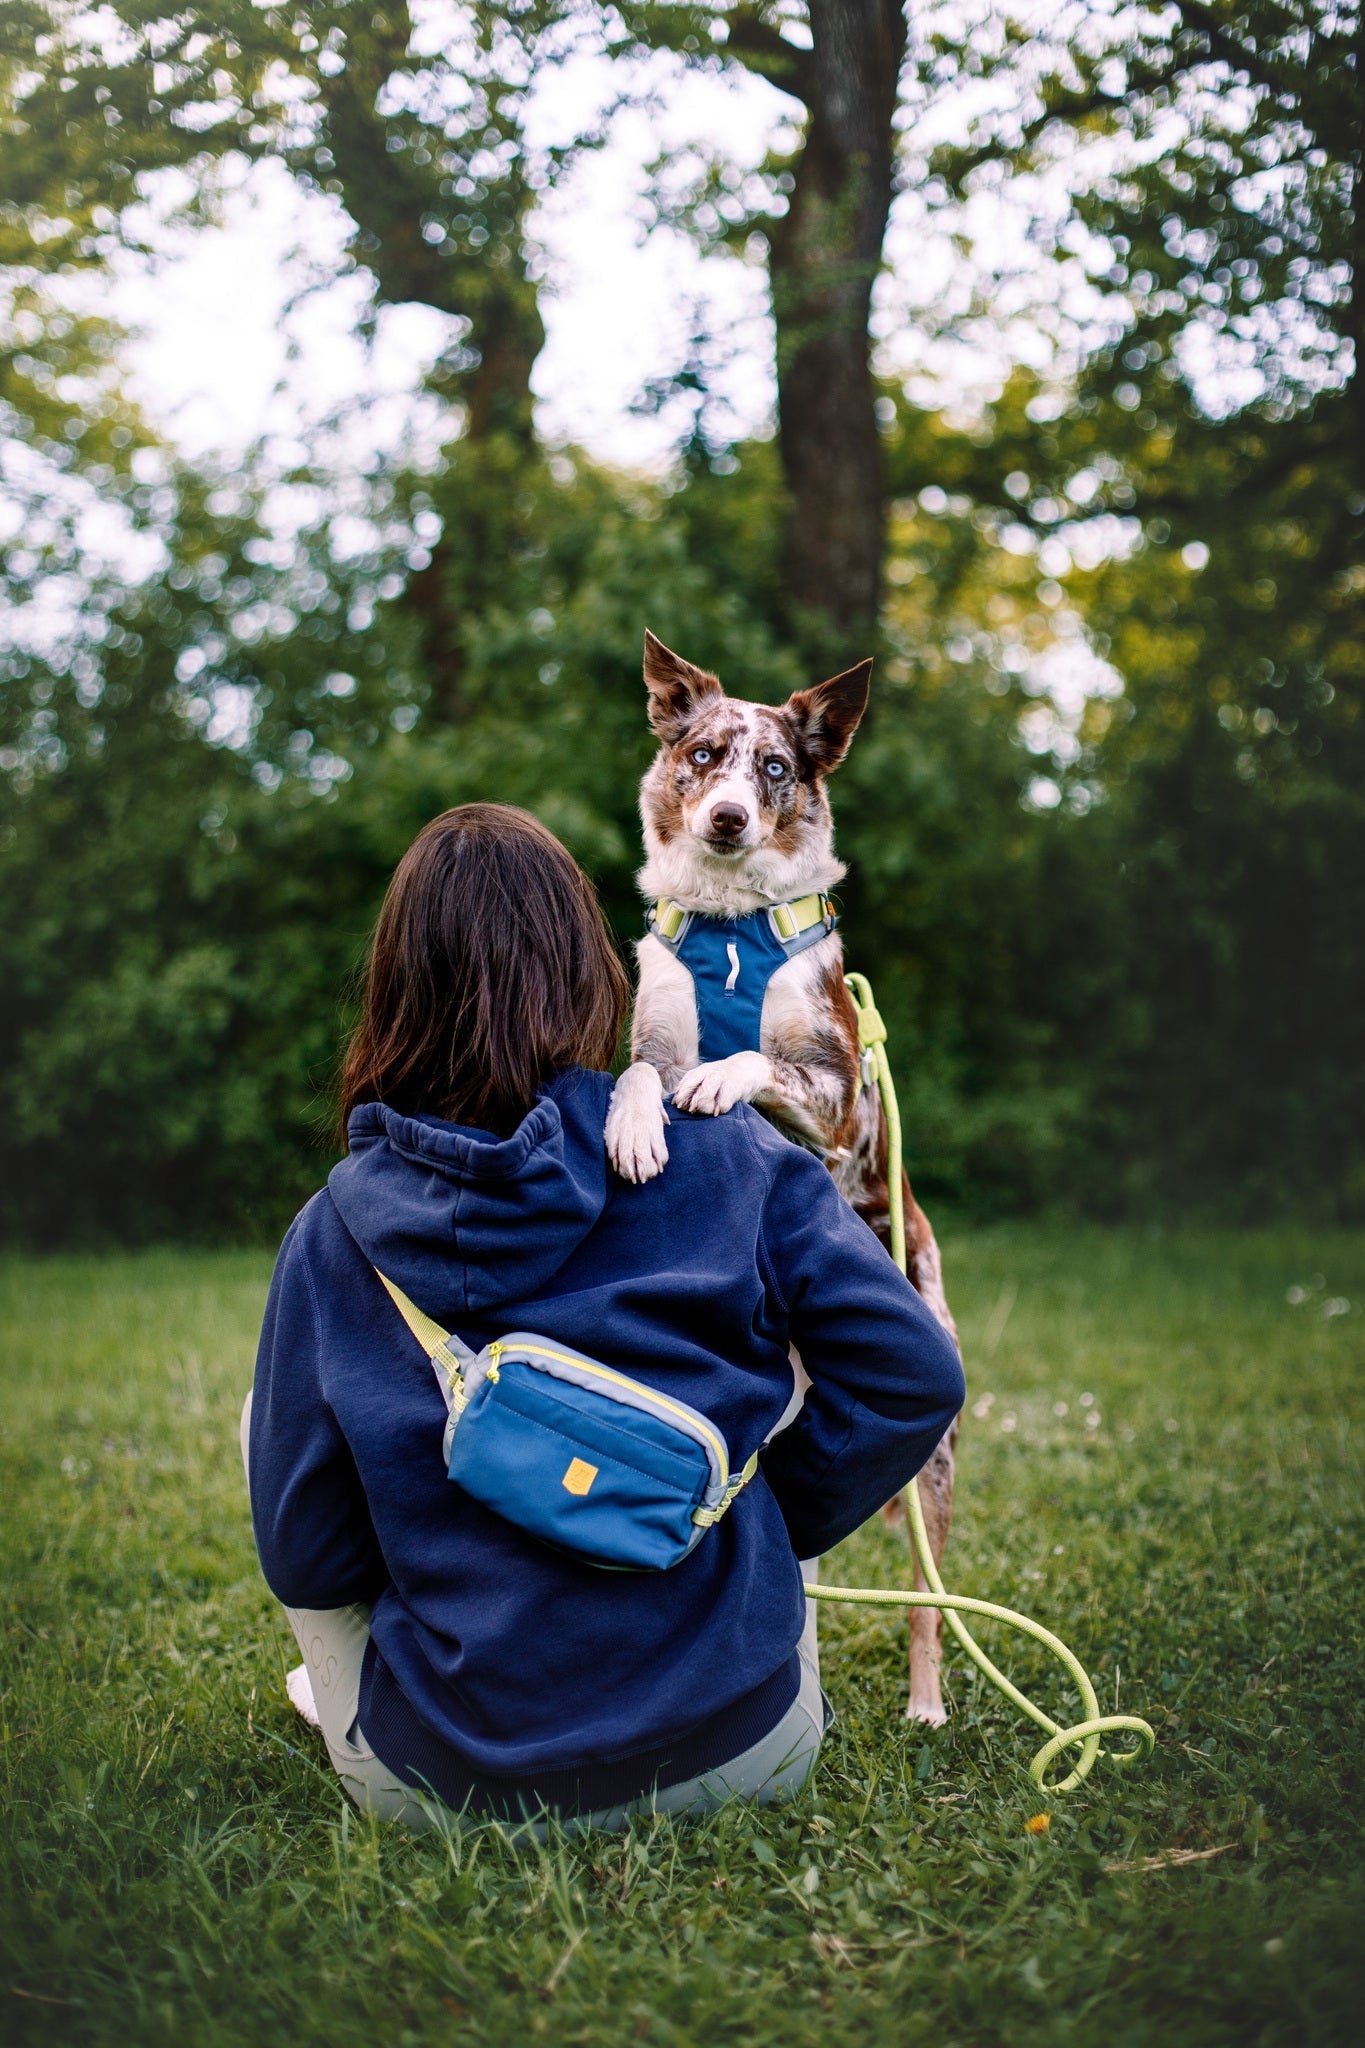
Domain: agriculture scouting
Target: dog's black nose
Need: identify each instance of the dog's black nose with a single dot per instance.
(728, 820)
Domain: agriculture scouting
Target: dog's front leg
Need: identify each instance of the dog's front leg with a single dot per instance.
(810, 1098)
(810, 1101)
(663, 1044)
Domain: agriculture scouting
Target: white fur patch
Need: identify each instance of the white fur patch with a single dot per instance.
(727, 886)
(793, 1005)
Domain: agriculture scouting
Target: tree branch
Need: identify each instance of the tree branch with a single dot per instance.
(1070, 107)
(1276, 78)
(760, 48)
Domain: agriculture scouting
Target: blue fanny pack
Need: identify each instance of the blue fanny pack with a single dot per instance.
(574, 1452)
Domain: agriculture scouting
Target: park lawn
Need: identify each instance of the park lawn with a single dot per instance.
(177, 1865)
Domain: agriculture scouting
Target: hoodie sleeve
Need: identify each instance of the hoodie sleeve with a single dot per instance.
(886, 1379)
(314, 1534)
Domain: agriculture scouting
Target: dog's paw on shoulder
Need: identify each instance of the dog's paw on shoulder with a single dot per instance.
(714, 1088)
(634, 1131)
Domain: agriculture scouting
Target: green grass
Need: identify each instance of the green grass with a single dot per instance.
(177, 1865)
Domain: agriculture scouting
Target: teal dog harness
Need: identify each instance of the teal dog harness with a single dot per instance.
(732, 959)
(576, 1453)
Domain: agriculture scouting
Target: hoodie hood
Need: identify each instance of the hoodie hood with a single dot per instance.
(464, 1221)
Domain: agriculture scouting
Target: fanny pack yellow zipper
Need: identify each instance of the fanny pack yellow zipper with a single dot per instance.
(604, 1372)
(450, 1356)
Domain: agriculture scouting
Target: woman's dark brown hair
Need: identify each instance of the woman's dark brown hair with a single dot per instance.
(490, 971)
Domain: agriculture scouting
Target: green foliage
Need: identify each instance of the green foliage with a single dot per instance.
(1145, 996)
(426, 153)
(176, 1858)
(179, 969)
(1109, 1008)
(1238, 803)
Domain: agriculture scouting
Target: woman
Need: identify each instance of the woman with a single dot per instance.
(451, 1656)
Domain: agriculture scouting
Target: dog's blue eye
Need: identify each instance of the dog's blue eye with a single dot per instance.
(701, 755)
(775, 768)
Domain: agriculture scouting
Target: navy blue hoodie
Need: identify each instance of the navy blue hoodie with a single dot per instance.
(501, 1670)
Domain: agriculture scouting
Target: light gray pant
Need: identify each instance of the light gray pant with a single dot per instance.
(332, 1642)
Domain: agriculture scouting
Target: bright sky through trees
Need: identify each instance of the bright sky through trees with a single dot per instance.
(250, 328)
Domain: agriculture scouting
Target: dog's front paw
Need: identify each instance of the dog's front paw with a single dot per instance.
(634, 1132)
(720, 1084)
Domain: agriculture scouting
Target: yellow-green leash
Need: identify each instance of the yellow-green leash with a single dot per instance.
(1086, 1733)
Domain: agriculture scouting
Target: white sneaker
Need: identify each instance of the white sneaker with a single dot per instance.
(299, 1687)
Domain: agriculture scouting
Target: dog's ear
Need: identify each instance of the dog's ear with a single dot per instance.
(675, 688)
(827, 717)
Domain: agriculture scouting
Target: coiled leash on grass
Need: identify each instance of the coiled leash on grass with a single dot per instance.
(1086, 1733)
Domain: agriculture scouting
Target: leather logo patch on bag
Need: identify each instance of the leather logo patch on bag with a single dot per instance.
(579, 1476)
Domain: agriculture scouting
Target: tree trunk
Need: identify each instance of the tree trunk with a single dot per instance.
(825, 256)
(395, 195)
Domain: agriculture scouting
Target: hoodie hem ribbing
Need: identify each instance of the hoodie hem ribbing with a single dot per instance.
(422, 1760)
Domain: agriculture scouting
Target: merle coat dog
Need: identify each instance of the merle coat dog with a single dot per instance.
(736, 821)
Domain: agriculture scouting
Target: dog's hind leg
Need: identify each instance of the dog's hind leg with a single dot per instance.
(924, 1264)
(935, 1482)
(863, 1178)
(926, 1623)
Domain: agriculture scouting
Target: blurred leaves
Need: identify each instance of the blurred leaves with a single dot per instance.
(1103, 822)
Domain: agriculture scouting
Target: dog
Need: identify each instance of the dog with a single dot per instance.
(741, 994)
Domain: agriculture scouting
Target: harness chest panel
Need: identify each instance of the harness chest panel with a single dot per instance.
(732, 960)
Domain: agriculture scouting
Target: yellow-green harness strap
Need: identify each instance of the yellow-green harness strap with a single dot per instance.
(789, 920)
(1086, 1733)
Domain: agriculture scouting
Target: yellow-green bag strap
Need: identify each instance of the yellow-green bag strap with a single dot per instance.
(706, 1518)
(448, 1357)
(447, 1354)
